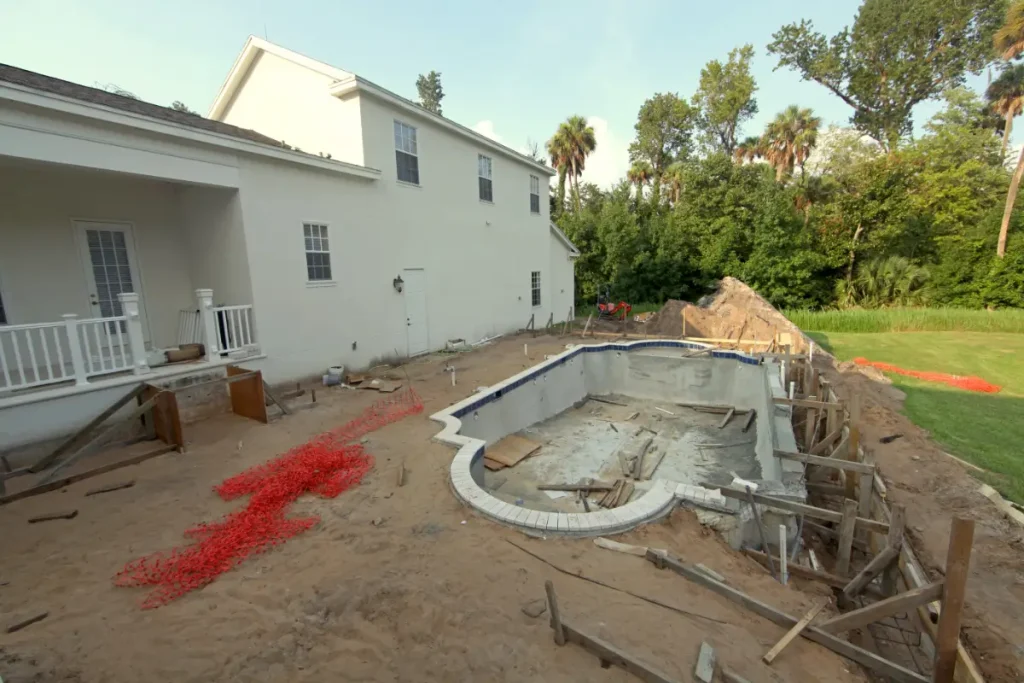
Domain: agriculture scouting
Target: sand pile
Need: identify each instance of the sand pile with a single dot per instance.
(733, 311)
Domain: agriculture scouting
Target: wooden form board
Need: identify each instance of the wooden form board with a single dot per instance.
(511, 450)
(165, 418)
(247, 397)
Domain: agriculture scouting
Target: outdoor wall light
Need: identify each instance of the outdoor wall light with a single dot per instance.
(398, 283)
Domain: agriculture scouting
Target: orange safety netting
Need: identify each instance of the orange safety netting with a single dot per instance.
(969, 383)
(326, 465)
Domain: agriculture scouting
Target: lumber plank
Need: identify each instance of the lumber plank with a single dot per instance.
(871, 570)
(806, 572)
(822, 446)
(493, 464)
(593, 486)
(866, 659)
(897, 522)
(512, 449)
(17, 626)
(608, 544)
(860, 618)
(75, 438)
(850, 465)
(247, 397)
(276, 401)
(609, 654)
(657, 461)
(847, 526)
(750, 420)
(834, 534)
(82, 450)
(803, 509)
(96, 471)
(797, 629)
(63, 514)
(826, 489)
(805, 403)
(762, 531)
(958, 560)
(624, 494)
(728, 416)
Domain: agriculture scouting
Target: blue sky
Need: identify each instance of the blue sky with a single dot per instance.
(511, 70)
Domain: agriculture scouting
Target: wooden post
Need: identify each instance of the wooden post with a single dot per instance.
(556, 616)
(852, 453)
(958, 560)
(684, 323)
(133, 323)
(897, 524)
(75, 347)
(208, 323)
(846, 529)
(865, 489)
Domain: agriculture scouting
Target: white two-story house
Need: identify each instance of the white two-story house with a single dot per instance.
(313, 219)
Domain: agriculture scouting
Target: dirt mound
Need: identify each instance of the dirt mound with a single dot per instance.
(733, 311)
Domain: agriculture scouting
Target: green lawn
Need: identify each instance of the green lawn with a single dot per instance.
(984, 429)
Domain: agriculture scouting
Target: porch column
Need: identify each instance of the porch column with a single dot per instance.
(75, 347)
(136, 340)
(207, 322)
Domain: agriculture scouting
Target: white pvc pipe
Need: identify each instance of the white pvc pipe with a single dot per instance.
(792, 390)
(782, 555)
(812, 352)
(525, 353)
(453, 377)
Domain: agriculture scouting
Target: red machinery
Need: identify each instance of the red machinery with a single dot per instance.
(607, 309)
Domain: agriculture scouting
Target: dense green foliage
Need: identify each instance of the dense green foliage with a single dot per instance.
(813, 218)
(910, 320)
(430, 91)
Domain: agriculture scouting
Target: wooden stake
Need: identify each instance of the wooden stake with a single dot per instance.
(958, 560)
(764, 533)
(846, 529)
(728, 416)
(400, 479)
(897, 522)
(556, 616)
(111, 487)
(866, 488)
(853, 453)
(587, 326)
(794, 632)
(27, 622)
(750, 420)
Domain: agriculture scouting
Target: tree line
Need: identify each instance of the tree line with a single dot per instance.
(865, 215)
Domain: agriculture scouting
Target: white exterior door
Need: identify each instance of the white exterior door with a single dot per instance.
(415, 292)
(108, 255)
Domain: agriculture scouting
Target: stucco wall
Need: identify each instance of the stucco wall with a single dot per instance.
(42, 269)
(291, 103)
(563, 278)
(211, 222)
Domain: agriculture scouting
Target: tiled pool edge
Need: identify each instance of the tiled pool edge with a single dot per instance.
(656, 503)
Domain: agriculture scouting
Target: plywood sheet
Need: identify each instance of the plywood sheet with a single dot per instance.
(247, 397)
(494, 464)
(510, 450)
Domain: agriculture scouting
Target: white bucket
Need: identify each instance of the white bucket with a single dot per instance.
(336, 371)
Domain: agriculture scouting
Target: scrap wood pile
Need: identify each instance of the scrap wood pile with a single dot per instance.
(326, 465)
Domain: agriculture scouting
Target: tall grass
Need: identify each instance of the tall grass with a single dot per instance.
(909, 320)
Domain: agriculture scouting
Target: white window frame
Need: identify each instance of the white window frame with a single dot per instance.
(315, 244)
(406, 142)
(535, 192)
(485, 171)
(535, 290)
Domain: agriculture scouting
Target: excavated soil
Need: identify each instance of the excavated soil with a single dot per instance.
(733, 311)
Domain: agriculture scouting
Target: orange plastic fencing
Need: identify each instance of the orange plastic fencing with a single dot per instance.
(968, 383)
(326, 465)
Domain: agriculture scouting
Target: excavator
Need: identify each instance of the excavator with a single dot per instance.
(607, 309)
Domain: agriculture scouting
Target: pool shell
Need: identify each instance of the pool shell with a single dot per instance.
(519, 401)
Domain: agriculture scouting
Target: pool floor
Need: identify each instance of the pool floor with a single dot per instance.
(586, 441)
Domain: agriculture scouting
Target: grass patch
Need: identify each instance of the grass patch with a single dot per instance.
(910, 320)
(983, 429)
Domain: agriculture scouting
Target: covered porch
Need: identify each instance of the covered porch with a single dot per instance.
(101, 272)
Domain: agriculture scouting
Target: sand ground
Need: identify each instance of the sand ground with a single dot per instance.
(406, 584)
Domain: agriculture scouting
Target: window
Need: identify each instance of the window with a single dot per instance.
(483, 169)
(318, 252)
(406, 154)
(535, 287)
(534, 194)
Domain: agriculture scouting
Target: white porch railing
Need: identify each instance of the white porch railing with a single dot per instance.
(40, 354)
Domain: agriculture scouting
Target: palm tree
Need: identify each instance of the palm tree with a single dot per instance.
(1006, 96)
(748, 150)
(789, 139)
(891, 281)
(558, 150)
(673, 180)
(810, 190)
(640, 174)
(581, 141)
(1009, 42)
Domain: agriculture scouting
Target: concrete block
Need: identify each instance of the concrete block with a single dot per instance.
(531, 519)
(705, 670)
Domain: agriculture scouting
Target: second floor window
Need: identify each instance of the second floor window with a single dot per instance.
(318, 252)
(483, 166)
(534, 194)
(406, 153)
